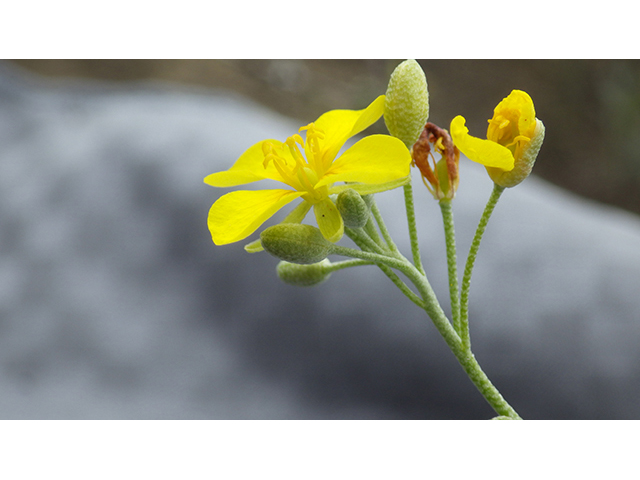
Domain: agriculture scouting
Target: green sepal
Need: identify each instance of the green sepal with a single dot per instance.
(368, 189)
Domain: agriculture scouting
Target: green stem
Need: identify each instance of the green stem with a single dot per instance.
(335, 266)
(441, 322)
(483, 384)
(370, 229)
(471, 258)
(360, 238)
(413, 232)
(432, 307)
(383, 227)
(452, 262)
(402, 286)
(363, 240)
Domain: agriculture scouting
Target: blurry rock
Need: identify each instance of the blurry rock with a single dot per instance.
(114, 302)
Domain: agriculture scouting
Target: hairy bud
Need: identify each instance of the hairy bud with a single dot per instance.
(353, 208)
(406, 107)
(296, 243)
(304, 275)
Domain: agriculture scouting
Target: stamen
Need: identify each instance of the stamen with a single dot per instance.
(314, 135)
(296, 153)
(519, 138)
(268, 150)
(279, 162)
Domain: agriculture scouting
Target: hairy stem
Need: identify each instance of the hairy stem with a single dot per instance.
(441, 322)
(383, 227)
(413, 232)
(471, 258)
(452, 261)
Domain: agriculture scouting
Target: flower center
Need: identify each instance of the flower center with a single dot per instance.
(504, 130)
(314, 135)
(297, 171)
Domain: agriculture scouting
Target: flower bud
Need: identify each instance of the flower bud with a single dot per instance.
(353, 208)
(296, 243)
(406, 107)
(304, 275)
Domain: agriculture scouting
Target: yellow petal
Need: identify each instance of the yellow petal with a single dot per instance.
(295, 216)
(374, 159)
(237, 215)
(340, 125)
(248, 168)
(521, 104)
(329, 220)
(368, 116)
(485, 152)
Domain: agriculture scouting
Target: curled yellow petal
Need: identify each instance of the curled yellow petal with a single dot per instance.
(237, 215)
(374, 159)
(485, 152)
(518, 109)
(329, 220)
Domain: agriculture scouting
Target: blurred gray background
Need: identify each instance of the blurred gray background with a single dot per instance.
(114, 303)
(592, 107)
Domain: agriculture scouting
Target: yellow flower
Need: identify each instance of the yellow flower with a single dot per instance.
(514, 138)
(375, 163)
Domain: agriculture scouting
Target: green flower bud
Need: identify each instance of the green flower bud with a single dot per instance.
(353, 208)
(304, 275)
(296, 243)
(406, 107)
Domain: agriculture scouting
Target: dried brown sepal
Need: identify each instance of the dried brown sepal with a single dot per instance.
(434, 138)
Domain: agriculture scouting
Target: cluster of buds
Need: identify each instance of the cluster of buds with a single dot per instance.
(441, 176)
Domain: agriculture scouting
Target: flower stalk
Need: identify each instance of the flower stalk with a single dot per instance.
(452, 262)
(413, 232)
(471, 259)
